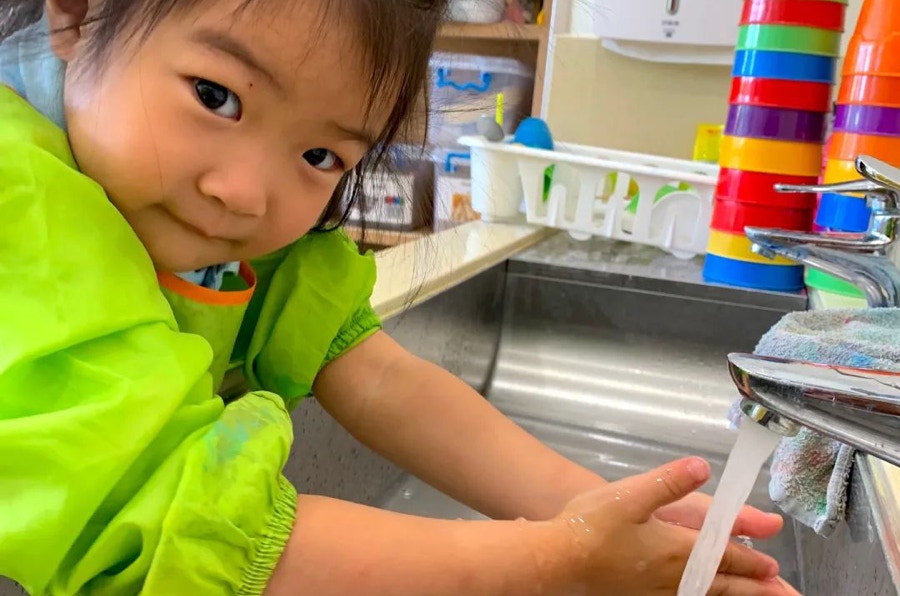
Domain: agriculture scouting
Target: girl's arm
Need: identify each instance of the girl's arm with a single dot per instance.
(437, 427)
(593, 547)
(340, 548)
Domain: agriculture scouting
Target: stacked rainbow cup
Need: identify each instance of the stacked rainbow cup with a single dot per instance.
(784, 71)
(866, 122)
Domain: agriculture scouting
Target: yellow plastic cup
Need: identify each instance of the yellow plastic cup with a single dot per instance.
(708, 142)
(771, 157)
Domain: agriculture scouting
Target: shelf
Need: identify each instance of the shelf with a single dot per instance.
(504, 31)
(378, 237)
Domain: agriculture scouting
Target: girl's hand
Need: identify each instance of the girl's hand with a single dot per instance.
(621, 549)
(691, 511)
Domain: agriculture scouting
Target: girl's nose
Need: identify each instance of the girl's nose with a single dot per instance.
(241, 187)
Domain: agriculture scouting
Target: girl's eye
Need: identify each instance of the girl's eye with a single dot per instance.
(322, 159)
(219, 100)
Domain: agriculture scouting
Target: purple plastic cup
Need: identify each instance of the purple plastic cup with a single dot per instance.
(867, 120)
(758, 122)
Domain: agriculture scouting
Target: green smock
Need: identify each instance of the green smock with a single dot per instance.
(122, 471)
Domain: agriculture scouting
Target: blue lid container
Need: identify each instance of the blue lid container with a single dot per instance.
(843, 213)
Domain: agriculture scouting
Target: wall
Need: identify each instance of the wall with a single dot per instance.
(597, 97)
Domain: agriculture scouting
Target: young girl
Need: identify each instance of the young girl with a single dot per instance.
(213, 143)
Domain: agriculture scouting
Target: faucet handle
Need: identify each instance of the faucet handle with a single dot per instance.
(879, 180)
(862, 186)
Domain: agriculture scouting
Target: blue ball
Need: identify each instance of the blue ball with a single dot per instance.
(534, 132)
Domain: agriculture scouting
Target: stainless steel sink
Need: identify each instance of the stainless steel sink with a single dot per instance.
(619, 373)
(614, 355)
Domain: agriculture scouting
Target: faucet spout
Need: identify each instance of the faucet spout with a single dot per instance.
(858, 407)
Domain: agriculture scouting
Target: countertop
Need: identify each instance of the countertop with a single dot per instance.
(415, 271)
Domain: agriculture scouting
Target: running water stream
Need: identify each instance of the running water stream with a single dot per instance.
(753, 447)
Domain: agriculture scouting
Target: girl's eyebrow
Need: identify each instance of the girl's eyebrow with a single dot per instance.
(222, 42)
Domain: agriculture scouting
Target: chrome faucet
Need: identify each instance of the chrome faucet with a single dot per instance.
(858, 258)
(858, 407)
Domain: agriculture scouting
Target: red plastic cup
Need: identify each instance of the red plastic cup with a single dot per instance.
(759, 188)
(733, 216)
(774, 93)
(801, 13)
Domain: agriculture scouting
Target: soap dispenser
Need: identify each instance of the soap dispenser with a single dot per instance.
(677, 31)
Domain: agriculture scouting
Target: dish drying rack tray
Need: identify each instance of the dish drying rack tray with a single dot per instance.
(591, 191)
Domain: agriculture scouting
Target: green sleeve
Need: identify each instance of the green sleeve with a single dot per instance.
(122, 472)
(315, 306)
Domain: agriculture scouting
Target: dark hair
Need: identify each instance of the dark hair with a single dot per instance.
(395, 36)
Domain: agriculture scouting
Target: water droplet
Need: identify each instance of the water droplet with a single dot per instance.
(406, 493)
(659, 479)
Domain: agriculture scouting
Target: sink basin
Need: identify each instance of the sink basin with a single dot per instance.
(618, 374)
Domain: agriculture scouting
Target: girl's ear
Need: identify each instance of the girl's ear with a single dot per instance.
(66, 18)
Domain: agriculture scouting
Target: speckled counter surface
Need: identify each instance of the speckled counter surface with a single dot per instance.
(644, 268)
(601, 255)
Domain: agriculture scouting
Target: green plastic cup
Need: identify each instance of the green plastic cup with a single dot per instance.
(829, 283)
(787, 38)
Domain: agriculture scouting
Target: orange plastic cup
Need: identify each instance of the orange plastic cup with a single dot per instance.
(878, 19)
(870, 90)
(848, 146)
(879, 57)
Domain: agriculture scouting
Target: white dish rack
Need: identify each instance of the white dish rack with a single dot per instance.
(590, 192)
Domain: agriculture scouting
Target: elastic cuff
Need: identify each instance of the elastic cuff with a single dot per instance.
(272, 542)
(363, 324)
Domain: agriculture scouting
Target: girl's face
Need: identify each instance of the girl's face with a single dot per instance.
(223, 135)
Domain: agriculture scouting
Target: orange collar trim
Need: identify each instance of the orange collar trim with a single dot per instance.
(182, 287)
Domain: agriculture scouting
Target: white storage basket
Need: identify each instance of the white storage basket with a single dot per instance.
(589, 193)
